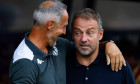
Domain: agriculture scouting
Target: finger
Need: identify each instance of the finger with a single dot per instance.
(124, 62)
(107, 59)
(117, 64)
(113, 63)
(120, 66)
(121, 63)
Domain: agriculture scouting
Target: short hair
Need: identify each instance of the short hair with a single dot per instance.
(50, 12)
(88, 13)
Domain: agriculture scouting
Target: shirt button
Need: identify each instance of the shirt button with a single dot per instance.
(87, 68)
(86, 78)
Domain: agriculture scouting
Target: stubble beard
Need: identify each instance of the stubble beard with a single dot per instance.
(52, 41)
(87, 52)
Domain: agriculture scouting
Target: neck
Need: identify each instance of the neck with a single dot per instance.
(86, 61)
(37, 37)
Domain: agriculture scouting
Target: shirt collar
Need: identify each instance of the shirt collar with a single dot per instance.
(40, 54)
(97, 60)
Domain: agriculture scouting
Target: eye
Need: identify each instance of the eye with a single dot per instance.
(90, 33)
(64, 26)
(77, 33)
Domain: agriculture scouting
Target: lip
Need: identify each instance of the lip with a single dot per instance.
(84, 46)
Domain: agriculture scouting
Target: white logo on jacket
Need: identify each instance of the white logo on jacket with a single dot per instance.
(55, 51)
(39, 61)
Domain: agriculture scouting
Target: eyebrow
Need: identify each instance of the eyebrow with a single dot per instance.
(75, 28)
(92, 28)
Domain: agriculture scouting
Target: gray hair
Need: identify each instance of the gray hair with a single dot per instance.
(88, 13)
(50, 12)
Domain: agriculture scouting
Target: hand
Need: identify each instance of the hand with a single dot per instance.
(114, 55)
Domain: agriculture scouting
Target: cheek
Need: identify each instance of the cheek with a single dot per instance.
(94, 38)
(60, 31)
(57, 32)
(76, 40)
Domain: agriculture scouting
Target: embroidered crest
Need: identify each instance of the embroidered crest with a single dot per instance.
(39, 61)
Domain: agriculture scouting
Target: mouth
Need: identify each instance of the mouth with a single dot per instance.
(84, 46)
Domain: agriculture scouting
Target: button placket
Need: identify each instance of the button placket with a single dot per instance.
(86, 75)
(87, 68)
(86, 78)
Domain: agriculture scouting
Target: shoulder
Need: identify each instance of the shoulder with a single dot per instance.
(127, 71)
(24, 70)
(22, 52)
(60, 39)
(127, 67)
(64, 42)
(22, 64)
(128, 74)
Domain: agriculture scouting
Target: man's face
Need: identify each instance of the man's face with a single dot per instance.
(59, 29)
(86, 36)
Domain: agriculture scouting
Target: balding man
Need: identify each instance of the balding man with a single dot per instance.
(40, 57)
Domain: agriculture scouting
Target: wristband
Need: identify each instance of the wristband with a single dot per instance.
(111, 41)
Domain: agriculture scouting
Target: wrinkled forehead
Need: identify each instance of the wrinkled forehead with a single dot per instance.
(85, 23)
(64, 19)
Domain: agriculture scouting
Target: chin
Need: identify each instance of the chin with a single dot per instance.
(85, 54)
(53, 44)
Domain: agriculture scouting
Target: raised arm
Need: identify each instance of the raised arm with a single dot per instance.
(113, 55)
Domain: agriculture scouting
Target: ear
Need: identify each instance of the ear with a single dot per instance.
(50, 25)
(101, 34)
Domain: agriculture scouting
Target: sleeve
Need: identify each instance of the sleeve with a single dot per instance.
(128, 75)
(102, 45)
(69, 45)
(23, 71)
(70, 48)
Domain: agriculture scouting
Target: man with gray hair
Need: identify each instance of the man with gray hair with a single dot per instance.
(41, 56)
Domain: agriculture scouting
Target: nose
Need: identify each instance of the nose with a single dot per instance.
(84, 38)
(64, 31)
